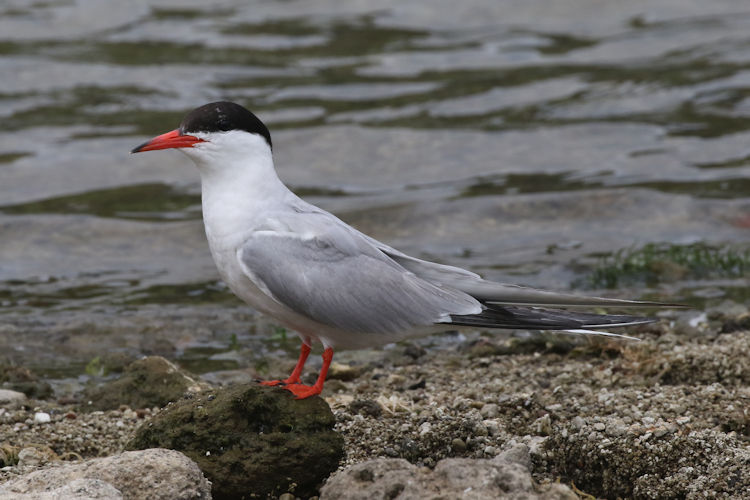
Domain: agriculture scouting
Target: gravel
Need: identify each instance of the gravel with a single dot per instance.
(667, 416)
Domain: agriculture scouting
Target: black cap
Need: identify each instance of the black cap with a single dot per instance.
(223, 116)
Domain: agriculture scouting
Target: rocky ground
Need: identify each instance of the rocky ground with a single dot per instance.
(665, 417)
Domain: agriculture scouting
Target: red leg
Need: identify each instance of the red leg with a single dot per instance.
(305, 391)
(294, 377)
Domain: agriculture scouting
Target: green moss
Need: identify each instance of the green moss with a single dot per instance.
(654, 263)
(250, 441)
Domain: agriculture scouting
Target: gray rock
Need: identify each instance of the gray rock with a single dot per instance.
(644, 463)
(154, 473)
(490, 410)
(33, 457)
(506, 476)
(11, 397)
(78, 489)
(250, 440)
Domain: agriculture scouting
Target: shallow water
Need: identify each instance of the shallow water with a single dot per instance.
(523, 140)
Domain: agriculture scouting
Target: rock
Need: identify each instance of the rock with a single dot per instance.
(738, 324)
(642, 464)
(490, 410)
(78, 489)
(366, 407)
(250, 439)
(41, 417)
(8, 397)
(506, 476)
(458, 445)
(33, 457)
(340, 371)
(23, 380)
(8, 455)
(154, 473)
(414, 351)
(148, 382)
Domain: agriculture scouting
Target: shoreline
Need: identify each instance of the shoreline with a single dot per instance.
(610, 416)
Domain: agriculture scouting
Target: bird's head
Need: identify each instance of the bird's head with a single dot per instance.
(218, 133)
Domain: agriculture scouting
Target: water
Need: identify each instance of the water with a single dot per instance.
(523, 140)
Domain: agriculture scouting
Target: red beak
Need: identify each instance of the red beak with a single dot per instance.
(173, 139)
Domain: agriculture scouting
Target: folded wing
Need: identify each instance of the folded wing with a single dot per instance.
(338, 279)
(502, 293)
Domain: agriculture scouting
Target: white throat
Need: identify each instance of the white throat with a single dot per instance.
(238, 182)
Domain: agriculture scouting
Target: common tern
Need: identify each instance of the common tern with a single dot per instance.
(329, 282)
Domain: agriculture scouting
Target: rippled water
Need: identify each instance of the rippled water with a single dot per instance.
(523, 140)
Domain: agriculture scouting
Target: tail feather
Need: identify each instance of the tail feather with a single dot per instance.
(533, 318)
(600, 333)
(504, 294)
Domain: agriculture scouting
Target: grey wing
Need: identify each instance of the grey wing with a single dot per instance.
(502, 293)
(337, 278)
(473, 284)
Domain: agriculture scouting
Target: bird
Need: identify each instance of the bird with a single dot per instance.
(330, 283)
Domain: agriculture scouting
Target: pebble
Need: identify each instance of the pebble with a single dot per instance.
(458, 445)
(493, 427)
(480, 430)
(341, 371)
(637, 414)
(42, 418)
(544, 425)
(490, 410)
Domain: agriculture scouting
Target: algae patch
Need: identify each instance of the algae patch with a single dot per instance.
(655, 263)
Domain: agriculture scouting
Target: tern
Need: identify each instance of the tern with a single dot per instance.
(326, 280)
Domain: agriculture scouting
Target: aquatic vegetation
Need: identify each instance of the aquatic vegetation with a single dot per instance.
(96, 367)
(659, 262)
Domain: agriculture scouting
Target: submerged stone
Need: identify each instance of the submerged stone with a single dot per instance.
(250, 440)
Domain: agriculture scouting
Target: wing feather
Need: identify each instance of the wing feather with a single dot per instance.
(340, 280)
(502, 293)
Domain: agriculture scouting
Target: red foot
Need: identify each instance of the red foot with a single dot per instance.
(293, 385)
(272, 383)
(302, 391)
(304, 352)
